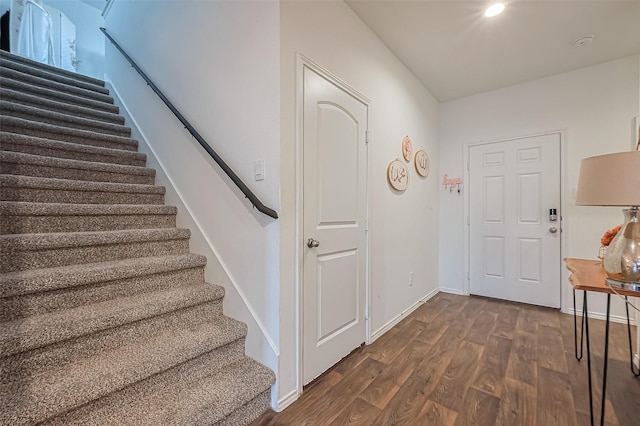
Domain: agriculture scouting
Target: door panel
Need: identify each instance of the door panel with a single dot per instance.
(513, 253)
(334, 212)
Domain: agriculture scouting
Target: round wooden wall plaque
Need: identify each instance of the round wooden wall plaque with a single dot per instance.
(398, 175)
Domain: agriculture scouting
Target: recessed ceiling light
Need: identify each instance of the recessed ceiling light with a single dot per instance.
(494, 9)
(583, 41)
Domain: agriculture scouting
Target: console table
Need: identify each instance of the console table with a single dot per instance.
(589, 275)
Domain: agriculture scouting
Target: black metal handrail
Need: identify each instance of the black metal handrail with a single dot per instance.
(239, 183)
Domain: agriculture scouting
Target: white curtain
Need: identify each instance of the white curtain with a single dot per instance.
(35, 40)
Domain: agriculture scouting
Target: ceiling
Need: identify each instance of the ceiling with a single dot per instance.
(98, 4)
(456, 52)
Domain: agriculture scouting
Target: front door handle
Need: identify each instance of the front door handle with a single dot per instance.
(553, 229)
(311, 243)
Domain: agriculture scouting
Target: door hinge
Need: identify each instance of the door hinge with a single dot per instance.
(366, 312)
(468, 221)
(468, 166)
(366, 225)
(366, 137)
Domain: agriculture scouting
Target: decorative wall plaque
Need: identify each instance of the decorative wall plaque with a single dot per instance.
(421, 161)
(398, 175)
(407, 148)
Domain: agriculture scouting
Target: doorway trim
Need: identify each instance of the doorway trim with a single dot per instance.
(466, 288)
(301, 62)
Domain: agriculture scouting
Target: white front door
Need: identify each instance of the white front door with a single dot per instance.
(514, 244)
(334, 213)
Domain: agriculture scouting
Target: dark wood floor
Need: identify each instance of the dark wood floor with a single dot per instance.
(472, 361)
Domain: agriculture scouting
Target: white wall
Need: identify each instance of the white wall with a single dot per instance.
(403, 228)
(218, 62)
(593, 106)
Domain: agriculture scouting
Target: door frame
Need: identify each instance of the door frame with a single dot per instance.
(303, 62)
(466, 288)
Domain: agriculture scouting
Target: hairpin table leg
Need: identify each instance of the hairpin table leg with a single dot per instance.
(575, 325)
(586, 326)
(626, 305)
(606, 361)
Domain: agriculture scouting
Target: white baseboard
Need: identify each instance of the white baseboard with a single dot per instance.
(452, 291)
(600, 316)
(388, 326)
(286, 400)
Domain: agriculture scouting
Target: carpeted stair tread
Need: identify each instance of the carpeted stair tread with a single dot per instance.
(16, 163)
(41, 330)
(54, 85)
(77, 185)
(247, 413)
(47, 279)
(59, 149)
(55, 95)
(28, 112)
(51, 69)
(30, 251)
(207, 400)
(52, 76)
(95, 285)
(19, 242)
(27, 218)
(52, 131)
(38, 189)
(195, 399)
(61, 389)
(52, 105)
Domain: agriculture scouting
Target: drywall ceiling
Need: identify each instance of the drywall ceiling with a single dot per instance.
(98, 4)
(455, 51)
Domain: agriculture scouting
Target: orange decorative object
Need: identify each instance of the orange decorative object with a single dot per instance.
(609, 235)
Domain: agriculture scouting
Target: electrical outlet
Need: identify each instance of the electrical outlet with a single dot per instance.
(410, 279)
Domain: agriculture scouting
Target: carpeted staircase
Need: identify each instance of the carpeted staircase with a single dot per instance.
(105, 317)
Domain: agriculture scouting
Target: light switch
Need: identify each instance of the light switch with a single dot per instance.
(258, 170)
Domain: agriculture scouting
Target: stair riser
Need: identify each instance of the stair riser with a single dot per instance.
(48, 258)
(74, 174)
(103, 142)
(38, 82)
(101, 412)
(58, 96)
(52, 195)
(54, 106)
(96, 126)
(39, 303)
(53, 70)
(127, 158)
(57, 77)
(25, 224)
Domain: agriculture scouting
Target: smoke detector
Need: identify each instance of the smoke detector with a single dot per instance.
(583, 41)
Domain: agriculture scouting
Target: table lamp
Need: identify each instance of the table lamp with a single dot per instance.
(614, 180)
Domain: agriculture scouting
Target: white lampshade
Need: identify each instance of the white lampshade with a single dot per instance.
(610, 180)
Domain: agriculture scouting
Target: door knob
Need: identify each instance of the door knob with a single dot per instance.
(312, 243)
(553, 229)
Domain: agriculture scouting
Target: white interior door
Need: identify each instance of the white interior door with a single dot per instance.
(514, 244)
(334, 213)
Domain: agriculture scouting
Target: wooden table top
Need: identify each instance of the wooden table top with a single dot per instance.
(589, 275)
